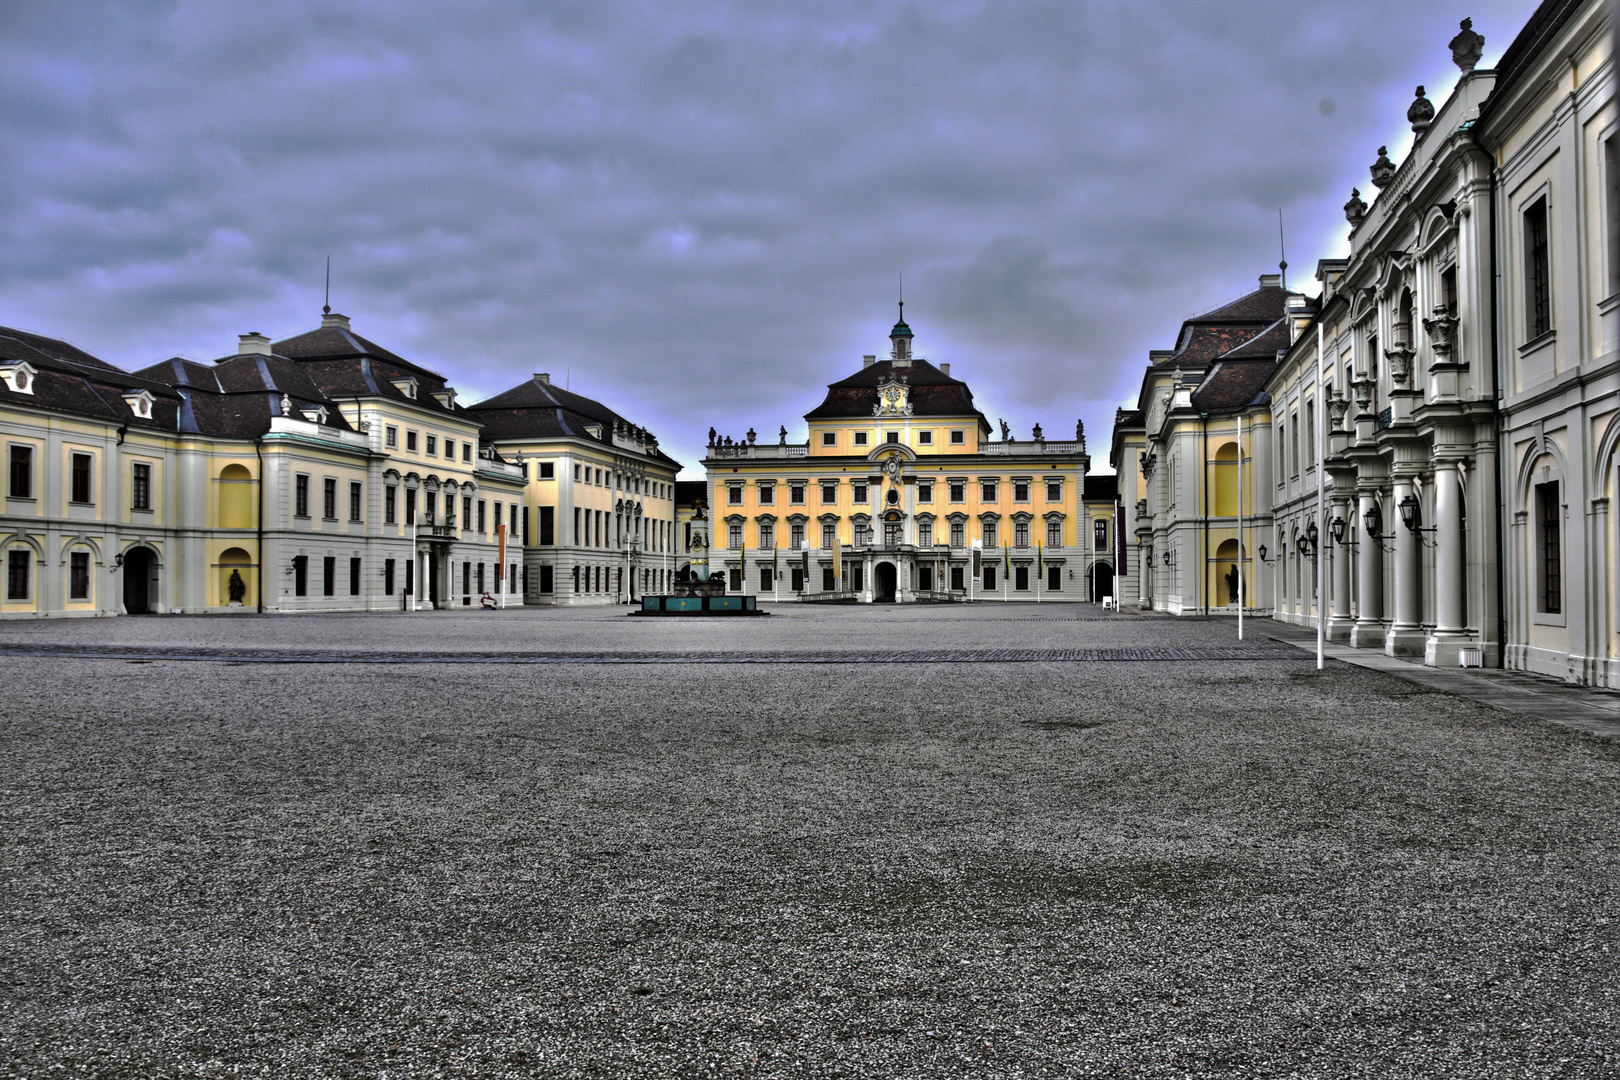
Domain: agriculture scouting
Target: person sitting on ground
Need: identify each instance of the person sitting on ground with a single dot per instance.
(487, 602)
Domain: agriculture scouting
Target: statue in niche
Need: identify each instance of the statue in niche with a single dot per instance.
(1232, 585)
(237, 587)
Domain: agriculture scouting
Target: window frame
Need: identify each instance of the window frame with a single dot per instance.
(75, 475)
(140, 486)
(1535, 223)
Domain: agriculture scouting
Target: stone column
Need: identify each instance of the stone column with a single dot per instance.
(1449, 631)
(1406, 637)
(1368, 631)
(1339, 621)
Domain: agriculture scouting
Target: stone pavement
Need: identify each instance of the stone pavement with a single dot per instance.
(1587, 708)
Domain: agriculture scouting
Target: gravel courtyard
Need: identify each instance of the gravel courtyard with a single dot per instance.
(1216, 863)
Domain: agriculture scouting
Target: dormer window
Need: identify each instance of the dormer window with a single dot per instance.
(445, 397)
(595, 430)
(19, 377)
(140, 403)
(317, 415)
(406, 387)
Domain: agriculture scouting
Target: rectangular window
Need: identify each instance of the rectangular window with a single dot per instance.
(828, 584)
(860, 438)
(987, 490)
(796, 580)
(734, 536)
(481, 589)
(1537, 270)
(863, 533)
(1054, 491)
(958, 534)
(1021, 578)
(767, 495)
(892, 533)
(1099, 535)
(301, 575)
(987, 531)
(925, 491)
(892, 438)
(548, 582)
(391, 441)
(958, 578)
(1021, 534)
(450, 449)
(17, 560)
(328, 576)
(1611, 209)
(829, 494)
(356, 495)
(354, 577)
(390, 504)
(140, 486)
(829, 438)
(1293, 444)
(829, 535)
(79, 575)
(958, 491)
(958, 438)
(989, 577)
(767, 534)
(79, 485)
(466, 451)
(925, 534)
(548, 470)
(925, 438)
(548, 525)
(736, 582)
(432, 446)
(481, 512)
(1054, 534)
(925, 578)
(859, 492)
(410, 506)
(466, 511)
(301, 496)
(410, 441)
(734, 495)
(22, 472)
(466, 582)
(1549, 571)
(410, 576)
(1310, 433)
(388, 577)
(329, 499)
(765, 581)
(796, 535)
(578, 536)
(1021, 491)
(1054, 579)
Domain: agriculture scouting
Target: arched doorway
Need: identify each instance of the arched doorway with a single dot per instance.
(884, 578)
(140, 580)
(1102, 582)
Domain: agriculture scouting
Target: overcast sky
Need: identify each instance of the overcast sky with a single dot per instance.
(696, 212)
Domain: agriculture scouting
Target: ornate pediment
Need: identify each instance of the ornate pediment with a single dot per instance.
(894, 398)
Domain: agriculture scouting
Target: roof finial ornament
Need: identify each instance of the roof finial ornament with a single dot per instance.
(1421, 114)
(1282, 251)
(327, 310)
(1467, 47)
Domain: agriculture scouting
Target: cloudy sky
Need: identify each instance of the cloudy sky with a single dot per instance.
(696, 212)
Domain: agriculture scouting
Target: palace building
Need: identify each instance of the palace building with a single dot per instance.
(318, 473)
(1423, 458)
(901, 493)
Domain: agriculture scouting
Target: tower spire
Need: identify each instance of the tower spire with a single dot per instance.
(1282, 251)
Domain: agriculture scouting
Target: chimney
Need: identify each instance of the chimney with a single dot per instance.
(1271, 281)
(543, 378)
(868, 361)
(945, 370)
(252, 343)
(332, 318)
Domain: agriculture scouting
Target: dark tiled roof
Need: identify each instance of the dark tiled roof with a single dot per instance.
(345, 365)
(1543, 24)
(1264, 344)
(70, 380)
(1103, 488)
(1233, 385)
(236, 396)
(541, 410)
(933, 393)
(1216, 333)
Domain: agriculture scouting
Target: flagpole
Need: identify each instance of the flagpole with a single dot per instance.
(1240, 527)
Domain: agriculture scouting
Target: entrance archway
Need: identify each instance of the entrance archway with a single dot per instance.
(884, 578)
(140, 580)
(1102, 582)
